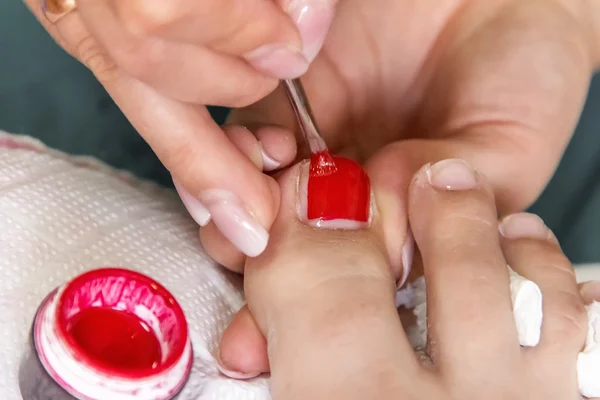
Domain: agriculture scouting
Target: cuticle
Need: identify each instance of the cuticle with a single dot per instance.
(303, 166)
(373, 208)
(423, 172)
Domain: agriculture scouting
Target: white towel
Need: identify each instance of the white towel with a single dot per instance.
(60, 216)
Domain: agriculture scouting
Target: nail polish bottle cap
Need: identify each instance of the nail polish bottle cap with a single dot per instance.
(114, 334)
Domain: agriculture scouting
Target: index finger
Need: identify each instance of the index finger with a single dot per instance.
(186, 139)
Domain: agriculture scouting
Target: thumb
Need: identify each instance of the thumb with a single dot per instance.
(210, 170)
(324, 282)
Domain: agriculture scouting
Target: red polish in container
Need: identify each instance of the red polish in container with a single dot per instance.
(338, 189)
(111, 334)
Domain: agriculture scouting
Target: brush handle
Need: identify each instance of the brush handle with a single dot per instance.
(304, 115)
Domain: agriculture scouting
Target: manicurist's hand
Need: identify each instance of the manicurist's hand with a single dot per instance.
(164, 61)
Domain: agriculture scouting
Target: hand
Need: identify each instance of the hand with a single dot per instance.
(332, 327)
(400, 84)
(163, 61)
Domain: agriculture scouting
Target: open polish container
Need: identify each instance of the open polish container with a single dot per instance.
(111, 334)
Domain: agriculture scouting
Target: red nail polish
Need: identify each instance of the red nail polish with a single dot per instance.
(338, 189)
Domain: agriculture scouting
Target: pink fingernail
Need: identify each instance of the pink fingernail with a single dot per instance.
(196, 209)
(313, 19)
(524, 225)
(452, 174)
(590, 291)
(235, 222)
(269, 164)
(408, 253)
(278, 61)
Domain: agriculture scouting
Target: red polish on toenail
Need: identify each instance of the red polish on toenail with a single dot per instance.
(338, 189)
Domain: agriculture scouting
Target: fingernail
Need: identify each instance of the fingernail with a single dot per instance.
(452, 174)
(313, 19)
(278, 61)
(590, 291)
(54, 10)
(197, 211)
(269, 164)
(335, 193)
(524, 225)
(234, 222)
(234, 374)
(408, 253)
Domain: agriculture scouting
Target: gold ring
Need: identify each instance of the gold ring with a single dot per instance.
(56, 9)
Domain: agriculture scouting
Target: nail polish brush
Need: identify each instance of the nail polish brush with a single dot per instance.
(338, 189)
(322, 163)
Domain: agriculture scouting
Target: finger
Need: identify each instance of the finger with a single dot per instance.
(391, 177)
(187, 73)
(243, 352)
(269, 148)
(453, 218)
(534, 253)
(312, 302)
(243, 348)
(236, 194)
(393, 167)
(257, 148)
(279, 147)
(199, 156)
(231, 26)
(219, 246)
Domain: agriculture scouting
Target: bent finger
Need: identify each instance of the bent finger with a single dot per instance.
(202, 159)
(267, 150)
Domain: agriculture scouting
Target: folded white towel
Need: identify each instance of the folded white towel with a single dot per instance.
(527, 310)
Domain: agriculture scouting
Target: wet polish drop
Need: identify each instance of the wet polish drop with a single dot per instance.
(116, 339)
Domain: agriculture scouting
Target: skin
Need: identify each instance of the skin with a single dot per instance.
(398, 84)
(163, 62)
(500, 84)
(440, 97)
(312, 304)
